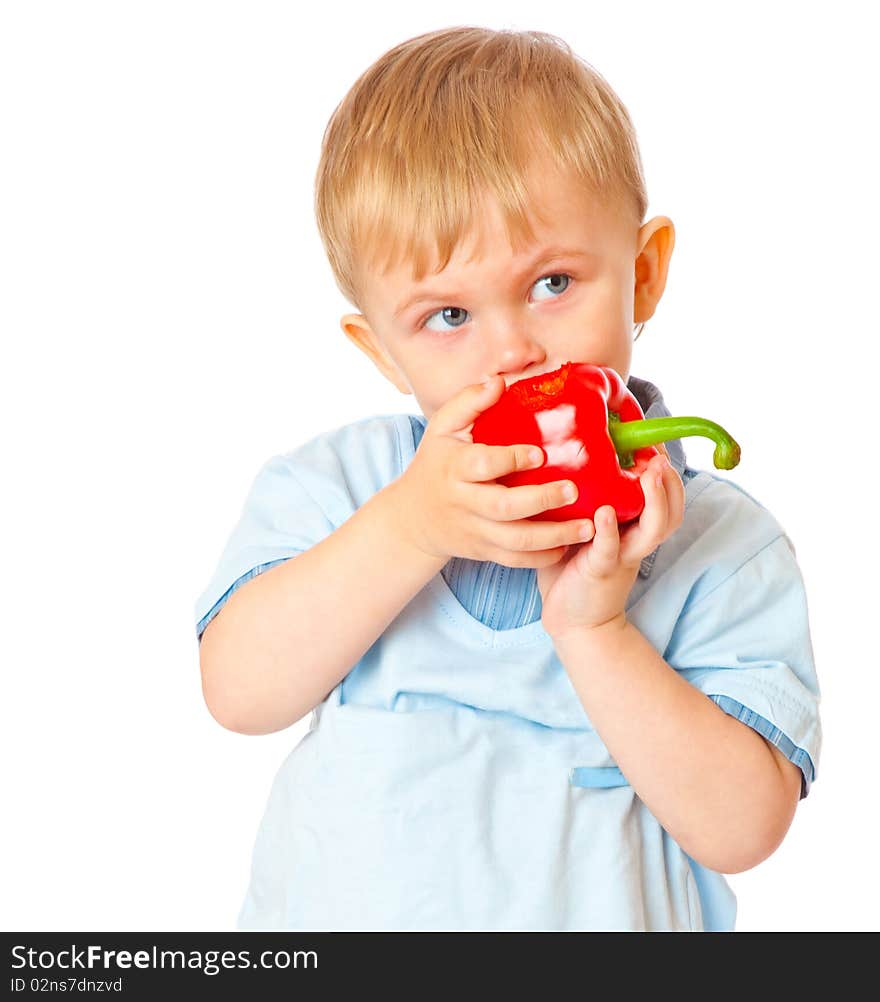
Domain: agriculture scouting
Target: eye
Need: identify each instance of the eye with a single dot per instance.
(443, 316)
(560, 279)
(455, 315)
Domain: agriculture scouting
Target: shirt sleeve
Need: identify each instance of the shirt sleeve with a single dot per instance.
(202, 623)
(746, 644)
(299, 498)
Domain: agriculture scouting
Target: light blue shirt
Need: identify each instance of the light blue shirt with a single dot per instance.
(499, 596)
(452, 780)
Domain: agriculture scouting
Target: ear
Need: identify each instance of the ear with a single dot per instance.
(655, 241)
(357, 329)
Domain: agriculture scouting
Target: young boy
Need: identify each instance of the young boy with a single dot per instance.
(516, 724)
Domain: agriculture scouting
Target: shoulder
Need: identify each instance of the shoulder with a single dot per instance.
(362, 456)
(383, 433)
(710, 496)
(724, 528)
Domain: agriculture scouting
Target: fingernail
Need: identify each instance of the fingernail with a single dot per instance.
(536, 456)
(569, 492)
(587, 531)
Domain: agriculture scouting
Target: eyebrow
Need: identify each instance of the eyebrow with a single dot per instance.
(547, 256)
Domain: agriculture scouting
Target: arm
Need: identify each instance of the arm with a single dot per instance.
(711, 781)
(722, 792)
(285, 638)
(251, 680)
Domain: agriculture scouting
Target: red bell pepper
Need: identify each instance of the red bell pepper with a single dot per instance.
(592, 431)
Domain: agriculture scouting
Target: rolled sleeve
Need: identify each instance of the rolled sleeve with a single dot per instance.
(202, 624)
(767, 729)
(279, 520)
(746, 645)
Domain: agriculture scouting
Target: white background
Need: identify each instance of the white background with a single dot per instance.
(170, 321)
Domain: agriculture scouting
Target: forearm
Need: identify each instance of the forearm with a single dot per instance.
(287, 637)
(710, 781)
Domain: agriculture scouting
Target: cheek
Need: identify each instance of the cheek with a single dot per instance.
(615, 303)
(436, 377)
(604, 307)
(599, 331)
(432, 394)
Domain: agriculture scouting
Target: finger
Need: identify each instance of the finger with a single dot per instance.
(504, 504)
(652, 525)
(528, 536)
(605, 549)
(675, 496)
(479, 462)
(458, 414)
(526, 558)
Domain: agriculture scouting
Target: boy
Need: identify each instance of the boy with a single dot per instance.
(515, 724)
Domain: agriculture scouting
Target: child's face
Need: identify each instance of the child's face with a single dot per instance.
(573, 295)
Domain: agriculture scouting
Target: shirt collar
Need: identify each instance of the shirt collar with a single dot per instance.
(651, 401)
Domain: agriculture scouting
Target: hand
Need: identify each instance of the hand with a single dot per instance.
(589, 588)
(449, 507)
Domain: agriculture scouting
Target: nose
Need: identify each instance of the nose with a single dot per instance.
(511, 351)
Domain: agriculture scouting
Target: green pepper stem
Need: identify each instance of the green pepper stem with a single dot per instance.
(628, 436)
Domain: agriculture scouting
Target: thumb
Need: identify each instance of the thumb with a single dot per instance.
(459, 413)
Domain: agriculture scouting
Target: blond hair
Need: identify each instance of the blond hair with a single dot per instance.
(446, 117)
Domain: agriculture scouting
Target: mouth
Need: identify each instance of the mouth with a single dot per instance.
(531, 375)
